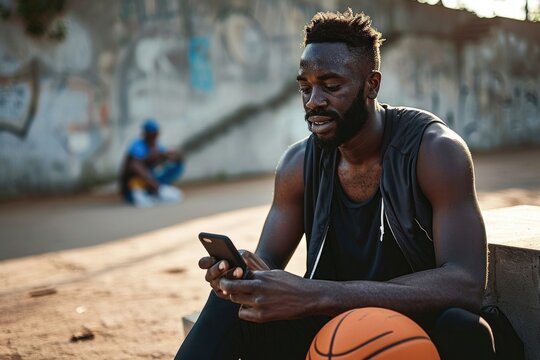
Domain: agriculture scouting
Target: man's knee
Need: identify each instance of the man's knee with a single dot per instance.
(460, 334)
(170, 172)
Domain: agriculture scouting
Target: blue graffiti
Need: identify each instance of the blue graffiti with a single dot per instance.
(200, 65)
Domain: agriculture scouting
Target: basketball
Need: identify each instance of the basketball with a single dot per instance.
(372, 333)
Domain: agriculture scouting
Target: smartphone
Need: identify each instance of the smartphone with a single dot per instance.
(222, 248)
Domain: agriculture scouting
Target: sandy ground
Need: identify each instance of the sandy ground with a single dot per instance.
(36, 226)
(125, 299)
(130, 294)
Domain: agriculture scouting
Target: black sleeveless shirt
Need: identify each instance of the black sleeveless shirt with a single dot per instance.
(356, 247)
(406, 211)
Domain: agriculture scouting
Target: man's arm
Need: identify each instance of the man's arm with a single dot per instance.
(283, 228)
(445, 174)
(139, 168)
(284, 225)
(173, 155)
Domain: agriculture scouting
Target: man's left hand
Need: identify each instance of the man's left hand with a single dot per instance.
(268, 295)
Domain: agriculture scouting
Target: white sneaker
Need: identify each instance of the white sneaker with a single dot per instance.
(169, 194)
(142, 199)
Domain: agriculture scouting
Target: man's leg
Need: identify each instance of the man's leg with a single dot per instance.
(287, 339)
(137, 194)
(215, 335)
(220, 334)
(165, 176)
(460, 334)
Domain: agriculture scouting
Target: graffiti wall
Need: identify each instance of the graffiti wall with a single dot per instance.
(486, 91)
(53, 109)
(69, 110)
(219, 75)
(480, 75)
(498, 101)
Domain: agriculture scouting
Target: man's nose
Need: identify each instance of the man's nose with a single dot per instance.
(317, 99)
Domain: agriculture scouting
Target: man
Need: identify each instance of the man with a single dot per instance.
(150, 169)
(386, 199)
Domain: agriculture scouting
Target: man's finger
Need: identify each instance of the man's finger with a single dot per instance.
(217, 271)
(220, 294)
(238, 273)
(253, 261)
(207, 262)
(236, 286)
(242, 298)
(250, 314)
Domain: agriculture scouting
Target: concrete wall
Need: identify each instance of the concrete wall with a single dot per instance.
(479, 75)
(208, 70)
(253, 148)
(487, 91)
(68, 111)
(498, 103)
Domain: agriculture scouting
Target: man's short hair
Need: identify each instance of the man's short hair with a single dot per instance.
(355, 30)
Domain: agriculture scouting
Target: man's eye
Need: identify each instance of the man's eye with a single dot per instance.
(304, 90)
(332, 87)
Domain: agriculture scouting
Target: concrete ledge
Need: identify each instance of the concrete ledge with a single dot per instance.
(513, 273)
(188, 321)
(514, 270)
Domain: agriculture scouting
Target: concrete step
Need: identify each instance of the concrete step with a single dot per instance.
(514, 270)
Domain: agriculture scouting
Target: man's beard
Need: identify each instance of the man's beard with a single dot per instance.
(347, 127)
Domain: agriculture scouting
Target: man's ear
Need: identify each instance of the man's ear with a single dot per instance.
(373, 82)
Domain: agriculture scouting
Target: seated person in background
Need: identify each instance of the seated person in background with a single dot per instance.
(150, 169)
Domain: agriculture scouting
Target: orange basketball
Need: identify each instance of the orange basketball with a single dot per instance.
(372, 333)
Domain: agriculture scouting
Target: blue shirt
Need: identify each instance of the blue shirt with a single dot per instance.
(139, 149)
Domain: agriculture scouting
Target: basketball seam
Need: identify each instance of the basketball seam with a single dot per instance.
(335, 334)
(363, 344)
(372, 355)
(333, 338)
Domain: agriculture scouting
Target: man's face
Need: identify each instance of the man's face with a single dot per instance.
(331, 85)
(151, 138)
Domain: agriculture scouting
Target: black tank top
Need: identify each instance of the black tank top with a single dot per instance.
(353, 249)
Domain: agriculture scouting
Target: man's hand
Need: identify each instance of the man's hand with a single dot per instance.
(155, 157)
(172, 155)
(253, 261)
(268, 295)
(215, 270)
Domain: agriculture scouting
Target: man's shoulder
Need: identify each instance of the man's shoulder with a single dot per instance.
(438, 137)
(296, 152)
(407, 126)
(138, 149)
(292, 161)
(409, 113)
(443, 154)
(137, 142)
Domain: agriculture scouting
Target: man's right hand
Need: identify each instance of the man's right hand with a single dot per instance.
(216, 269)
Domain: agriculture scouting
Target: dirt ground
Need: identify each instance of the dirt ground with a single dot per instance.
(129, 295)
(125, 299)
